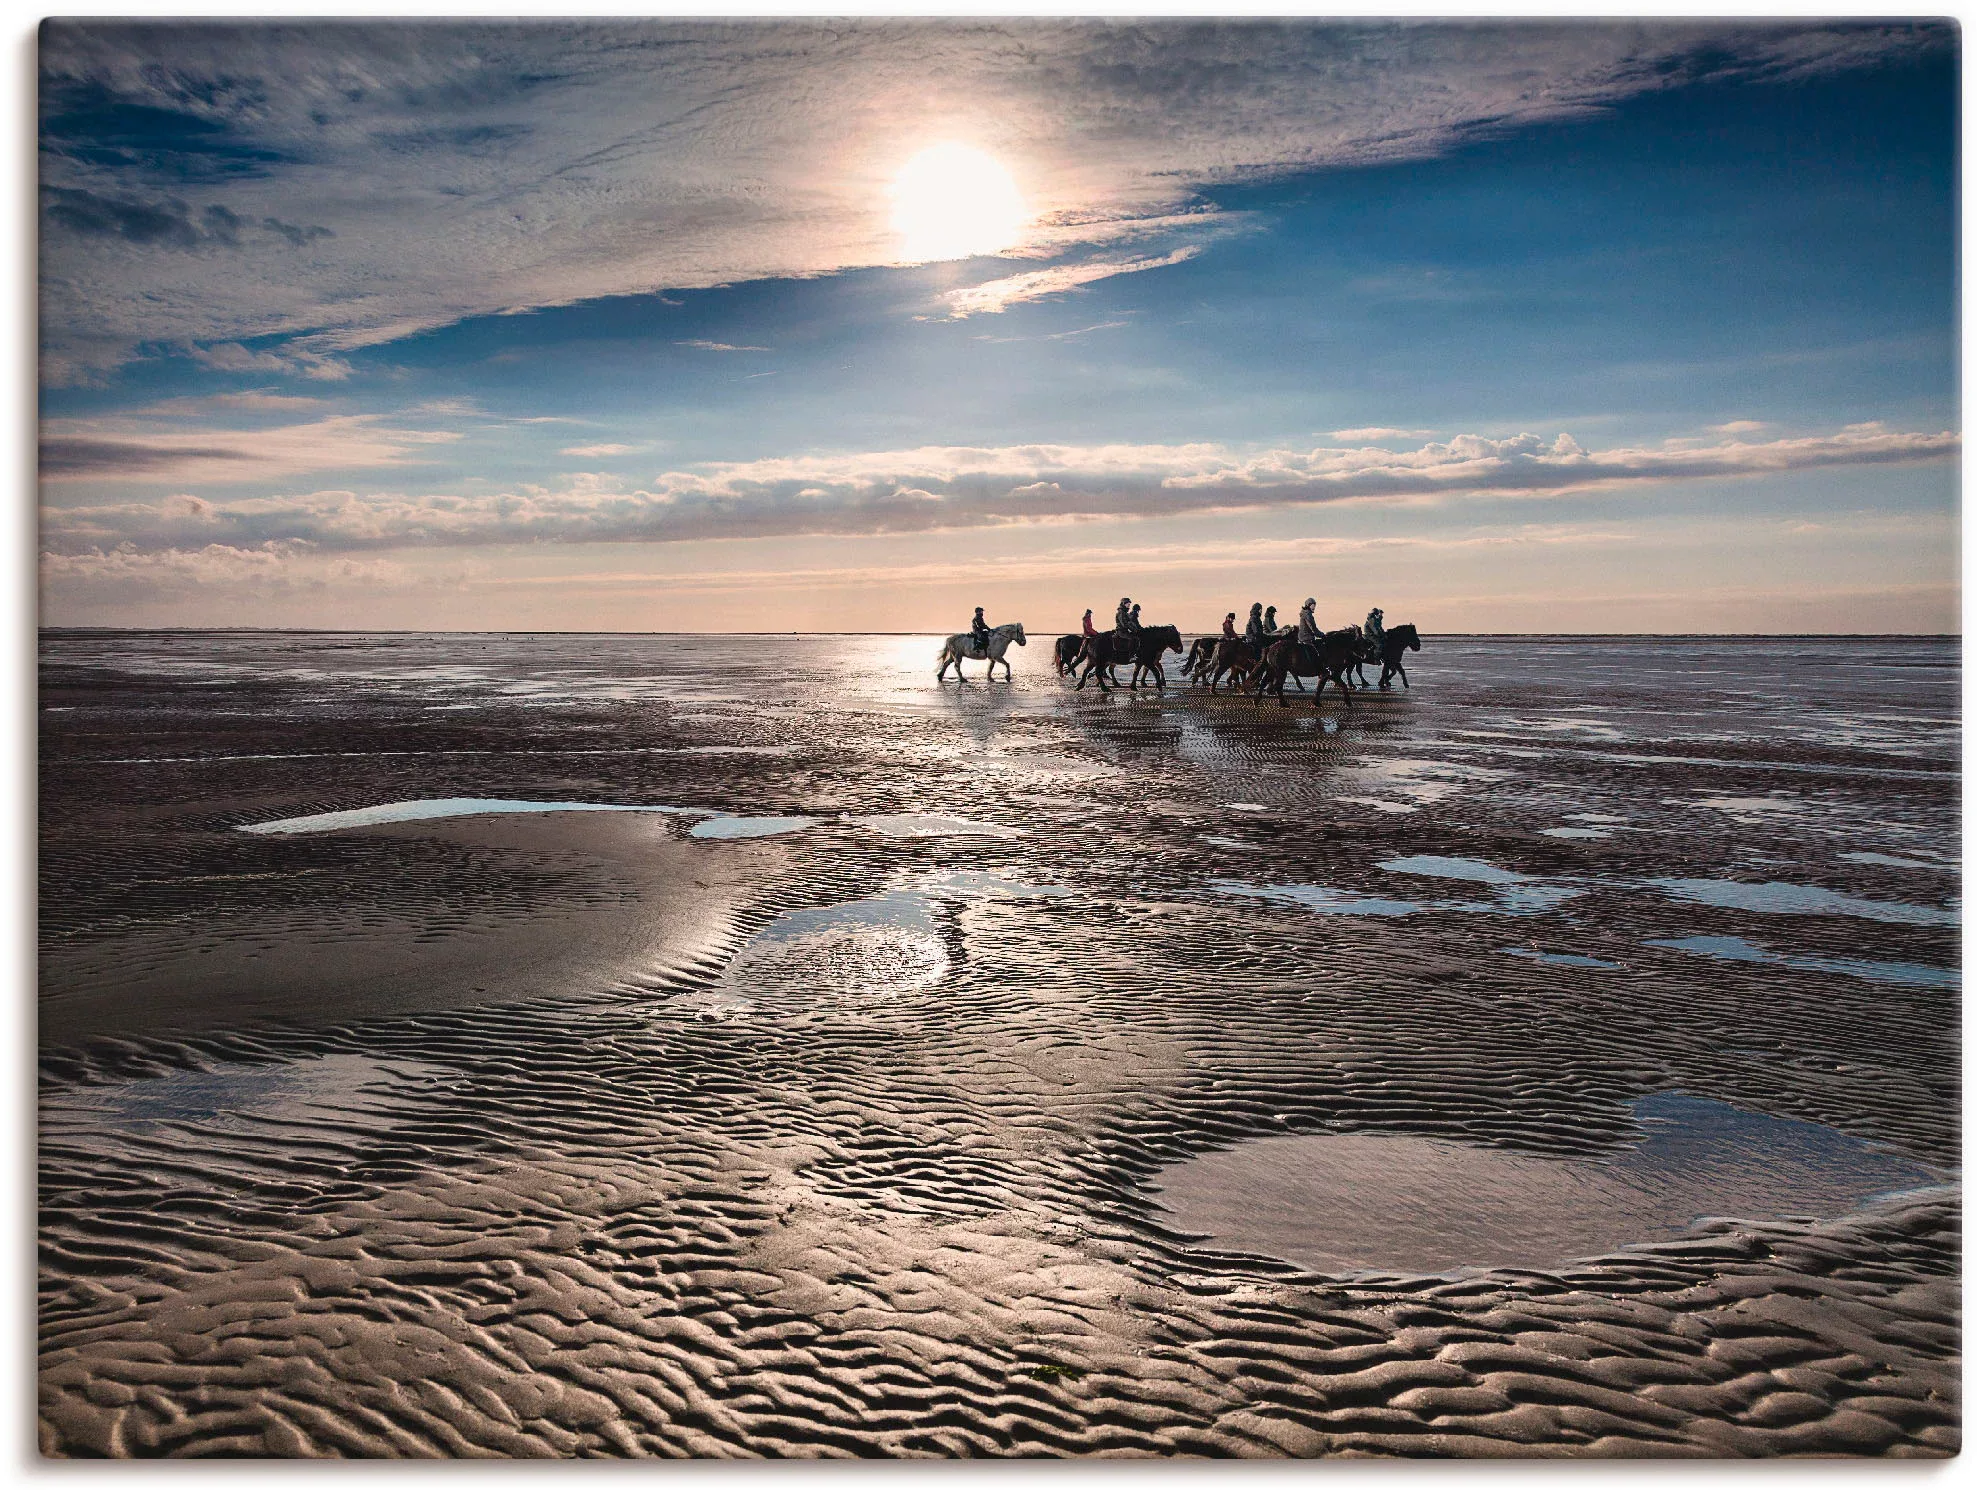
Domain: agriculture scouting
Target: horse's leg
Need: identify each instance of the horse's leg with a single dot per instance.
(1403, 675)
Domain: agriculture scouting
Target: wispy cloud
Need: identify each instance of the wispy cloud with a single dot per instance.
(947, 487)
(299, 190)
(718, 346)
(1035, 284)
(600, 450)
(1381, 432)
(131, 450)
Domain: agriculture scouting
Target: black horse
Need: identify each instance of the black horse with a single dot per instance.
(1327, 661)
(1108, 649)
(1398, 641)
(1066, 653)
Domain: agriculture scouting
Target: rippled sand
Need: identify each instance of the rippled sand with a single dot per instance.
(574, 1133)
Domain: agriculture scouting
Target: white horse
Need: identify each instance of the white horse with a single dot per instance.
(963, 644)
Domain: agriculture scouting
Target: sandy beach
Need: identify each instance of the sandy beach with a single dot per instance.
(1557, 1058)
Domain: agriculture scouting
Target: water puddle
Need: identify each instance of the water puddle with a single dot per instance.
(1516, 894)
(931, 825)
(1321, 898)
(341, 1090)
(884, 947)
(1576, 832)
(1557, 959)
(712, 825)
(1736, 949)
(748, 827)
(1775, 897)
(1894, 863)
(1357, 1203)
(434, 807)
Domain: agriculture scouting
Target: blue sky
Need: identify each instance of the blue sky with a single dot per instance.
(1600, 327)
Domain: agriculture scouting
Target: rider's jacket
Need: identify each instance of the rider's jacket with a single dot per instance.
(979, 629)
(1122, 620)
(1375, 632)
(1307, 628)
(1229, 630)
(1090, 630)
(1255, 634)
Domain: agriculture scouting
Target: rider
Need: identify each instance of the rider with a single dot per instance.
(1376, 629)
(1254, 632)
(1133, 621)
(1270, 623)
(979, 630)
(1308, 634)
(1122, 619)
(1090, 630)
(1229, 627)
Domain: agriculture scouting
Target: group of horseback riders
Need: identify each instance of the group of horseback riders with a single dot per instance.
(1262, 653)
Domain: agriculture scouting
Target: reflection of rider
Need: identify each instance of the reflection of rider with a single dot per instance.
(1254, 632)
(979, 629)
(1090, 630)
(1376, 630)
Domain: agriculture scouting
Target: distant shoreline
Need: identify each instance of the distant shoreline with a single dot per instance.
(1500, 636)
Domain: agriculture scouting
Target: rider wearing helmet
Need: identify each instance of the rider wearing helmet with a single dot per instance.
(1270, 623)
(1254, 632)
(1307, 624)
(1122, 619)
(1090, 630)
(1229, 627)
(979, 629)
(1376, 628)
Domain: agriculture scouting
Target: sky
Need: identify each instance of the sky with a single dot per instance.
(853, 326)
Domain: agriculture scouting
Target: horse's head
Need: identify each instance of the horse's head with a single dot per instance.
(1170, 637)
(1407, 636)
(1015, 629)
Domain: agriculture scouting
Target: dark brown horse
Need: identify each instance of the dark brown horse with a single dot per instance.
(1108, 649)
(1066, 652)
(1235, 659)
(1398, 641)
(1327, 661)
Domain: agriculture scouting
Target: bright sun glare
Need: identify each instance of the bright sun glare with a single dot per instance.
(952, 202)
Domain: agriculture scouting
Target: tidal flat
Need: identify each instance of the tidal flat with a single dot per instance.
(1510, 1065)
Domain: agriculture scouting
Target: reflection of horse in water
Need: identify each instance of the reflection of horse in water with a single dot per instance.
(963, 644)
(1327, 661)
(1108, 649)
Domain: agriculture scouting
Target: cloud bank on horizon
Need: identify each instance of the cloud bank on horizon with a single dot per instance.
(908, 491)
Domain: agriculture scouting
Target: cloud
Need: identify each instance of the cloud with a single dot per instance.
(718, 346)
(131, 450)
(948, 487)
(269, 571)
(999, 294)
(1740, 427)
(327, 187)
(231, 356)
(598, 450)
(1381, 432)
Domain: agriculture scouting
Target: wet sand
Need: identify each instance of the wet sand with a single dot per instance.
(575, 1134)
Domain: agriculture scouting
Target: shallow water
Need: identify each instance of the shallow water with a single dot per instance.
(1393, 1203)
(433, 807)
(1777, 898)
(1736, 949)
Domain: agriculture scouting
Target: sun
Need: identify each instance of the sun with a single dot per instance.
(952, 202)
